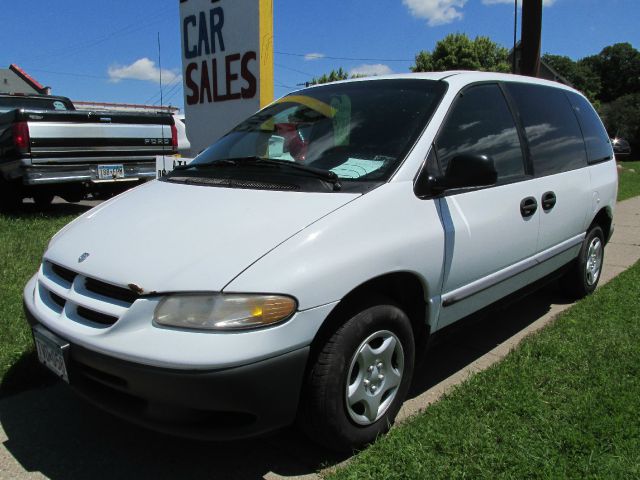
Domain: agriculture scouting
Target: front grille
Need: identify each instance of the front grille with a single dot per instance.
(63, 273)
(57, 299)
(111, 291)
(72, 296)
(96, 317)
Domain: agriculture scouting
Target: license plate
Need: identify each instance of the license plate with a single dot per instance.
(110, 172)
(51, 351)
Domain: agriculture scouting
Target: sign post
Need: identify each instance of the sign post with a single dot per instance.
(227, 64)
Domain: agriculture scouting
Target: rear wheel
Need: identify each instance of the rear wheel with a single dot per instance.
(583, 277)
(43, 199)
(72, 197)
(10, 196)
(360, 378)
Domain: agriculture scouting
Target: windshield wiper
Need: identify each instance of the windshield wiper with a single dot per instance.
(326, 175)
(213, 163)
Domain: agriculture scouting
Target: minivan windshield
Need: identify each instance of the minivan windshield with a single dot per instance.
(359, 131)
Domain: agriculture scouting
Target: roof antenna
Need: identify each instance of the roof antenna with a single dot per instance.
(160, 69)
(164, 167)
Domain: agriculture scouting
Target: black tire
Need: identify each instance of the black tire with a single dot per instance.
(43, 200)
(579, 282)
(10, 197)
(324, 415)
(72, 197)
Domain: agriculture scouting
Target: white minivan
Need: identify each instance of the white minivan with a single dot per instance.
(298, 266)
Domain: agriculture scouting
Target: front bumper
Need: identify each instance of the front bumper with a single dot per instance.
(69, 173)
(223, 404)
(195, 384)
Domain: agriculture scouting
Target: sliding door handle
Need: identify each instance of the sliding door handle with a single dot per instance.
(528, 206)
(548, 201)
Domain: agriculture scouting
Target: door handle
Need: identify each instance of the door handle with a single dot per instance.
(548, 201)
(528, 206)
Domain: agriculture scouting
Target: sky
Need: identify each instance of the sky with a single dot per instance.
(107, 50)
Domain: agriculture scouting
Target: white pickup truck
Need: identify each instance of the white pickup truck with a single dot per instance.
(48, 148)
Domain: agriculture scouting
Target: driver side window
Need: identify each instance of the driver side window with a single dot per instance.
(481, 124)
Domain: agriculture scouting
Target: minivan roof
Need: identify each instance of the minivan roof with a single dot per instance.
(459, 78)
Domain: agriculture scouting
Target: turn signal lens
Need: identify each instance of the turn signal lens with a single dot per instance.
(223, 311)
(174, 137)
(21, 136)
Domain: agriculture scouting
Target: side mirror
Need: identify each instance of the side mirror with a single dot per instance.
(465, 171)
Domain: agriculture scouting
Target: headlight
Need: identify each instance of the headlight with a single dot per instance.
(223, 311)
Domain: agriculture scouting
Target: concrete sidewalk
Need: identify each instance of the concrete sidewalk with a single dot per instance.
(49, 433)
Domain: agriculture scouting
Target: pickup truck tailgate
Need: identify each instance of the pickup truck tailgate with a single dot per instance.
(81, 137)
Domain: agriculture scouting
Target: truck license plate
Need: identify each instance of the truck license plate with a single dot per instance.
(110, 172)
(51, 351)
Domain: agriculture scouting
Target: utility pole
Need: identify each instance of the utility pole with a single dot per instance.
(515, 36)
(531, 37)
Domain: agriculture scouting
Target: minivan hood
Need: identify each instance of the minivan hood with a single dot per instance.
(166, 237)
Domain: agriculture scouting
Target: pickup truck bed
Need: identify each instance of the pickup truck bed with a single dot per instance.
(72, 153)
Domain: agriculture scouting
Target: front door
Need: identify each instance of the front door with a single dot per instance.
(491, 233)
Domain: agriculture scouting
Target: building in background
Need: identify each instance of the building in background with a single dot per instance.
(15, 80)
(124, 107)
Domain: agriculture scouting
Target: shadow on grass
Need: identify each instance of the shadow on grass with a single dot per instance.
(55, 210)
(25, 374)
(53, 431)
(467, 340)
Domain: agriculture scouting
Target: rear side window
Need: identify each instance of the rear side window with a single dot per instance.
(552, 129)
(595, 136)
(481, 123)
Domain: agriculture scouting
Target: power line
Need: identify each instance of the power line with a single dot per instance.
(172, 83)
(168, 89)
(347, 58)
(282, 85)
(174, 88)
(100, 77)
(306, 74)
(70, 74)
(170, 92)
(126, 30)
(171, 97)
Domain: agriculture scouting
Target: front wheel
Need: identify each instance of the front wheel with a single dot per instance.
(359, 380)
(583, 277)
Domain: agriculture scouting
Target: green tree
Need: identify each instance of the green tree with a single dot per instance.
(578, 73)
(333, 76)
(622, 118)
(618, 67)
(492, 57)
(424, 62)
(458, 52)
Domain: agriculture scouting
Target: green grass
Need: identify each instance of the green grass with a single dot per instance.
(565, 404)
(629, 180)
(23, 239)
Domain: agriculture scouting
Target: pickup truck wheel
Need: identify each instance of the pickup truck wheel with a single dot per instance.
(10, 197)
(583, 277)
(359, 380)
(43, 199)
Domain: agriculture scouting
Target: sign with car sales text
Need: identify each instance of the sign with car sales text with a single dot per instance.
(227, 64)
